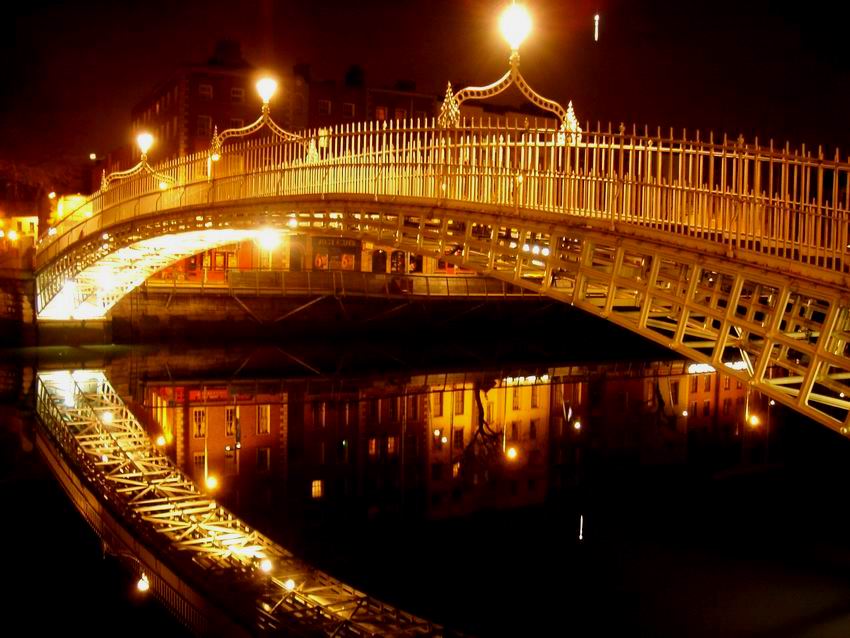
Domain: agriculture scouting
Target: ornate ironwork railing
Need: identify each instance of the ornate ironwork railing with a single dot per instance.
(755, 200)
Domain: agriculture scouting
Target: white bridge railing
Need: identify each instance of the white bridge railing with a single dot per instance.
(757, 200)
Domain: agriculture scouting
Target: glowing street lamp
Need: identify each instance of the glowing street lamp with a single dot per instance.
(511, 453)
(211, 482)
(266, 87)
(515, 25)
(144, 141)
(143, 584)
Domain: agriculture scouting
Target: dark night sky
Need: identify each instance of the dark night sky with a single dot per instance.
(72, 71)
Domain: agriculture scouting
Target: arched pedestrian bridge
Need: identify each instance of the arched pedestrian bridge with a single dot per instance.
(728, 252)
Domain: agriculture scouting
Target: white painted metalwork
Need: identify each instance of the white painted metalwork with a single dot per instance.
(157, 502)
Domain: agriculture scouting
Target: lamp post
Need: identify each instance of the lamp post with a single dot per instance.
(515, 24)
(144, 141)
(266, 88)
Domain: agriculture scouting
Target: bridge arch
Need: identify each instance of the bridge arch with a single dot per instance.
(675, 240)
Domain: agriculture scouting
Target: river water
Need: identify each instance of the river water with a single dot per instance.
(501, 489)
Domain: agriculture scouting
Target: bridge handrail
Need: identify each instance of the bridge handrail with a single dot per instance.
(795, 202)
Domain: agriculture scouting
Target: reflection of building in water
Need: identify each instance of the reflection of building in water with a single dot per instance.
(445, 444)
(221, 431)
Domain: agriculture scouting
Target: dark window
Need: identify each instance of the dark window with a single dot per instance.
(458, 439)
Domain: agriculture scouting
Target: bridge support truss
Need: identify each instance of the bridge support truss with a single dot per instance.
(161, 506)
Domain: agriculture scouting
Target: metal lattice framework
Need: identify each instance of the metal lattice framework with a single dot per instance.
(712, 249)
(113, 453)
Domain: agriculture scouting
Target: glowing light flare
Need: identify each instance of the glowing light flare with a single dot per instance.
(51, 195)
(754, 421)
(215, 157)
(289, 584)
(684, 413)
(12, 235)
(515, 25)
(107, 417)
(577, 426)
(211, 482)
(511, 453)
(160, 441)
(266, 87)
(143, 584)
(266, 565)
(292, 223)
(144, 141)
(92, 157)
(700, 368)
(268, 239)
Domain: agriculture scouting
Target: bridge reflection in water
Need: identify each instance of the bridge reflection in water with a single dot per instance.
(331, 450)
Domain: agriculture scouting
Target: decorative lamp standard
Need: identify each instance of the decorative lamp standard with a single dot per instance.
(266, 87)
(515, 25)
(144, 141)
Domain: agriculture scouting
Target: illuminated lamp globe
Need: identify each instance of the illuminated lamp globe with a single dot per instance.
(143, 583)
(266, 565)
(289, 584)
(215, 157)
(212, 482)
(144, 142)
(515, 25)
(754, 420)
(266, 88)
(511, 453)
(160, 440)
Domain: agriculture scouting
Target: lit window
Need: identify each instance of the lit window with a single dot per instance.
(534, 396)
(380, 113)
(317, 489)
(458, 401)
(205, 91)
(237, 95)
(694, 383)
(456, 469)
(231, 415)
(727, 382)
(263, 414)
(373, 447)
(438, 404)
(392, 445)
(199, 422)
(515, 401)
(199, 459)
(707, 385)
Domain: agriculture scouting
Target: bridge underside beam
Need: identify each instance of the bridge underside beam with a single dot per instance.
(710, 309)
